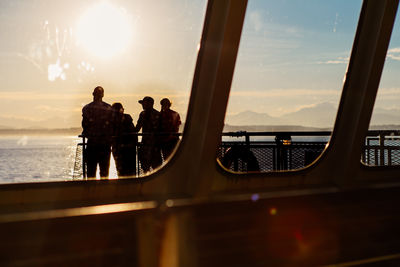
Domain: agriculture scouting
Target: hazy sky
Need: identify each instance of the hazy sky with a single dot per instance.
(53, 53)
(293, 54)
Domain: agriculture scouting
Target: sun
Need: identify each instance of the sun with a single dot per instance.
(104, 30)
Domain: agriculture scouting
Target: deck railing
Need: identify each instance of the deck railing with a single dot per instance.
(271, 151)
(276, 151)
(382, 148)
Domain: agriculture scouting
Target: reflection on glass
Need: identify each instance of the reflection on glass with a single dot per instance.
(288, 78)
(382, 144)
(54, 54)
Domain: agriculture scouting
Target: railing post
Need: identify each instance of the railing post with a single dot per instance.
(376, 156)
(236, 164)
(137, 160)
(368, 159)
(247, 138)
(274, 156)
(84, 157)
(382, 149)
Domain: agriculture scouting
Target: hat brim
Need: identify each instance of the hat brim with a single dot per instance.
(140, 101)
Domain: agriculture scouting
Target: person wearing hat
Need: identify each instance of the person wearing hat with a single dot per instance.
(97, 124)
(169, 128)
(149, 153)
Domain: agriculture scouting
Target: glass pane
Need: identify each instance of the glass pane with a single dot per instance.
(52, 56)
(288, 79)
(382, 144)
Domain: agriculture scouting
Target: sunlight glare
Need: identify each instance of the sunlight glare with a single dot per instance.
(104, 30)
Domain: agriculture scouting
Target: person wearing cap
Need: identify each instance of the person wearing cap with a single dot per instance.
(97, 124)
(149, 153)
(169, 128)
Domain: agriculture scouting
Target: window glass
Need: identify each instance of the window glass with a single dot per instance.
(382, 144)
(287, 83)
(53, 55)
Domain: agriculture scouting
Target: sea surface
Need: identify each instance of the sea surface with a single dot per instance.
(40, 159)
(56, 158)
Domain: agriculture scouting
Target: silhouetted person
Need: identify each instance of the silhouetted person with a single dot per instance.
(124, 142)
(149, 152)
(97, 124)
(169, 127)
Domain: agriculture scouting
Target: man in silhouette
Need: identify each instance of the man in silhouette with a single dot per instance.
(149, 152)
(97, 124)
(169, 127)
(124, 142)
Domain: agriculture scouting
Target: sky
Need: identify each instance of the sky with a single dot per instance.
(293, 55)
(53, 53)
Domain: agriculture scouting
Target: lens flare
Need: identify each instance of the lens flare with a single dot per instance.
(273, 211)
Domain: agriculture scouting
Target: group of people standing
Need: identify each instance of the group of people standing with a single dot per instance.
(109, 130)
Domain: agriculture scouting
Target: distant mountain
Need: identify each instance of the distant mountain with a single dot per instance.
(65, 131)
(318, 116)
(271, 128)
(385, 116)
(52, 122)
(385, 127)
(252, 118)
(322, 115)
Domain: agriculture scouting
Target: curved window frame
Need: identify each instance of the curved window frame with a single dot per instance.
(193, 170)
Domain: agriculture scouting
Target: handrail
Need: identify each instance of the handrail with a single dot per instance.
(275, 133)
(283, 139)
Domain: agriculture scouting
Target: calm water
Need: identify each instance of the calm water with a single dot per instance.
(52, 158)
(39, 158)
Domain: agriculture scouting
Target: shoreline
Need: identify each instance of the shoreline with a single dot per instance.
(38, 132)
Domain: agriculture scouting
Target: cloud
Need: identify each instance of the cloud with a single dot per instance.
(294, 31)
(256, 21)
(389, 91)
(52, 110)
(386, 95)
(39, 96)
(9, 95)
(336, 22)
(339, 60)
(323, 105)
(287, 93)
(394, 53)
(280, 101)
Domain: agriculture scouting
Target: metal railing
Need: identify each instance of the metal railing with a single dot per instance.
(80, 169)
(382, 148)
(278, 151)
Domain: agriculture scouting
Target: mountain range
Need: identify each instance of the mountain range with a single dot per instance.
(319, 116)
(48, 123)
